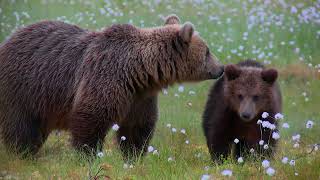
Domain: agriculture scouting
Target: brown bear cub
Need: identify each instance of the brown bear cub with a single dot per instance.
(55, 75)
(234, 111)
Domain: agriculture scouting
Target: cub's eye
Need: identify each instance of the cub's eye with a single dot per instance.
(240, 97)
(255, 98)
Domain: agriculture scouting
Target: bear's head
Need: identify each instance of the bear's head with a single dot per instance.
(249, 90)
(193, 59)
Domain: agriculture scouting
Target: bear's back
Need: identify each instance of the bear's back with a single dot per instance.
(38, 64)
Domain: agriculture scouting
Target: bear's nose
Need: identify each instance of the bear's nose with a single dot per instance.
(245, 115)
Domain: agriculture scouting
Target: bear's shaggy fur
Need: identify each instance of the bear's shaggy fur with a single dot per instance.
(55, 75)
(235, 104)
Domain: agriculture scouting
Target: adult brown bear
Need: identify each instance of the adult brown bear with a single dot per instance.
(58, 76)
(236, 102)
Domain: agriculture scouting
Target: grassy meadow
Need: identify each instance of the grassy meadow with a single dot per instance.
(278, 33)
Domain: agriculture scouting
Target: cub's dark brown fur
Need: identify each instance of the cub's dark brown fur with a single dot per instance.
(58, 76)
(236, 102)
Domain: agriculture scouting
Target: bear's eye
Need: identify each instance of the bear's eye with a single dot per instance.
(255, 98)
(207, 53)
(240, 97)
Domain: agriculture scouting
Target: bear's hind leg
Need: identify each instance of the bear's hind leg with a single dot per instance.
(22, 134)
(138, 128)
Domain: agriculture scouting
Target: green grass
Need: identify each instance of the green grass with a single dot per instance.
(58, 160)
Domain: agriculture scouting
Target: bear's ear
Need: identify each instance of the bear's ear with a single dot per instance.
(232, 71)
(269, 75)
(172, 19)
(186, 32)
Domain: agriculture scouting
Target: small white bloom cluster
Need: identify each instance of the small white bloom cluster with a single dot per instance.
(226, 172)
(181, 88)
(115, 127)
(152, 150)
(270, 171)
(296, 140)
(205, 177)
(275, 135)
(309, 124)
(126, 166)
(123, 138)
(267, 124)
(265, 163)
(285, 125)
(170, 159)
(279, 116)
(265, 115)
(100, 154)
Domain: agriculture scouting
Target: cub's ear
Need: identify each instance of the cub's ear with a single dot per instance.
(269, 75)
(172, 19)
(232, 72)
(186, 32)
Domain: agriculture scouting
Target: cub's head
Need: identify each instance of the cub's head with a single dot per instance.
(249, 90)
(192, 58)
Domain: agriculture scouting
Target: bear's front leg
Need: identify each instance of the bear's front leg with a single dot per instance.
(137, 128)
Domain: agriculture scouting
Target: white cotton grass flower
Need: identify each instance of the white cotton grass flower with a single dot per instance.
(240, 160)
(205, 177)
(181, 88)
(125, 166)
(123, 138)
(296, 174)
(265, 163)
(169, 125)
(176, 95)
(115, 127)
(183, 131)
(226, 172)
(309, 124)
(285, 125)
(251, 150)
(285, 160)
(150, 149)
(266, 146)
(155, 152)
(100, 154)
(279, 116)
(296, 145)
(170, 159)
(265, 115)
(265, 124)
(261, 142)
(165, 91)
(174, 130)
(272, 126)
(259, 121)
(236, 140)
(187, 141)
(292, 162)
(296, 137)
(270, 171)
(192, 92)
(275, 135)
(206, 168)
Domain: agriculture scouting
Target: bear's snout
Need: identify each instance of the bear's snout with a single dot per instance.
(216, 73)
(246, 116)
